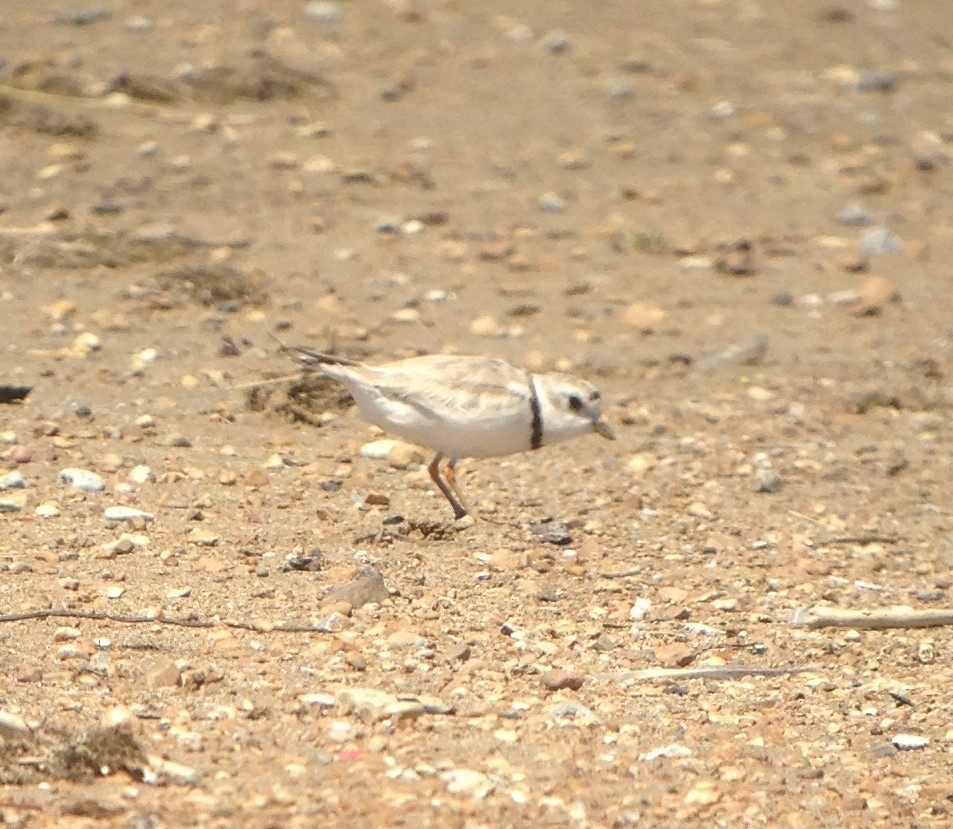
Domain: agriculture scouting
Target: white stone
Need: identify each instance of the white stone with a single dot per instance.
(126, 514)
(82, 479)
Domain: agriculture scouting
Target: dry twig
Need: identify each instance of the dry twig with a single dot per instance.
(714, 672)
(876, 619)
(158, 618)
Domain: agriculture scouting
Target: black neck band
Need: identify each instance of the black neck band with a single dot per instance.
(536, 435)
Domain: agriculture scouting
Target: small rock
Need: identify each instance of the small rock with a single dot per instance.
(86, 343)
(738, 261)
(552, 531)
(910, 742)
(767, 482)
(163, 674)
(406, 639)
(166, 771)
(120, 513)
(552, 203)
(84, 17)
(879, 240)
(467, 782)
(274, 461)
(506, 561)
(203, 538)
(854, 214)
(403, 455)
(12, 480)
(558, 680)
(378, 449)
(377, 498)
(82, 479)
(368, 587)
(13, 727)
(874, 292)
(572, 711)
(322, 11)
(178, 440)
(322, 700)
(142, 474)
(876, 80)
(47, 510)
(485, 326)
(644, 316)
(364, 699)
(556, 42)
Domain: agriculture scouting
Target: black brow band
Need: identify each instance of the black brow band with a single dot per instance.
(536, 435)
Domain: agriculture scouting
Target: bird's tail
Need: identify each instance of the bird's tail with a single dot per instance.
(309, 358)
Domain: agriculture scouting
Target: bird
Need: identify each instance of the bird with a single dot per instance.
(464, 406)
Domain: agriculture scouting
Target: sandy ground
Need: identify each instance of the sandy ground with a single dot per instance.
(733, 217)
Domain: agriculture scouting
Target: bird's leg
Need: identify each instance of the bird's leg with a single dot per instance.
(450, 473)
(434, 469)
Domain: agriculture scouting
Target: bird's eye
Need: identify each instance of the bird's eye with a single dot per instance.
(595, 395)
(575, 402)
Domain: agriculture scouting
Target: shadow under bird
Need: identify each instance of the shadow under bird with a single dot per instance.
(465, 406)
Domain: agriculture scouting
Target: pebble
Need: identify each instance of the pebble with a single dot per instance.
(696, 263)
(847, 296)
(144, 358)
(368, 587)
(203, 538)
(13, 727)
(12, 480)
(322, 700)
(84, 17)
(176, 773)
(378, 450)
(767, 482)
(47, 510)
(163, 674)
(855, 214)
(142, 474)
(876, 80)
(86, 343)
(66, 634)
(556, 41)
(558, 680)
(322, 11)
(552, 531)
(552, 203)
(145, 421)
(178, 440)
(115, 591)
(506, 561)
(572, 711)
(82, 479)
(120, 513)
(467, 782)
(178, 593)
(138, 23)
(879, 240)
(910, 742)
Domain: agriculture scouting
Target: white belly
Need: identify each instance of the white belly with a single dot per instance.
(455, 437)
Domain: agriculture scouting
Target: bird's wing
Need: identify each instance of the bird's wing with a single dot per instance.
(442, 385)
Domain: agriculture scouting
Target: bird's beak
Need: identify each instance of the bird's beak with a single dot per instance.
(600, 427)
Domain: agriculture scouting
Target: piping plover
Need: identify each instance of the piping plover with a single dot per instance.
(465, 407)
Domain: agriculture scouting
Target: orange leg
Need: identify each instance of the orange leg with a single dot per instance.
(450, 494)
